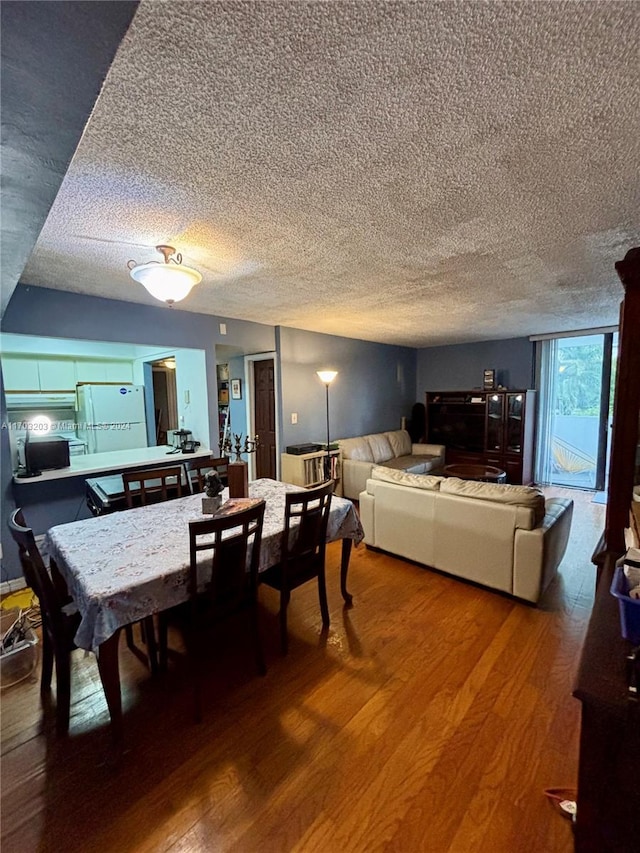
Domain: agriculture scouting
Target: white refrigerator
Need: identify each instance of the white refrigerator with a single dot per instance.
(111, 417)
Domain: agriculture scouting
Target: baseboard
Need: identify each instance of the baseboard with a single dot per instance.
(7, 587)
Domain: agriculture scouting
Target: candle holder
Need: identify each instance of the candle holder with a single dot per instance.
(238, 470)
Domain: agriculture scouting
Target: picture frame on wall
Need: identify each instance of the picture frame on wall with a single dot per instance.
(236, 389)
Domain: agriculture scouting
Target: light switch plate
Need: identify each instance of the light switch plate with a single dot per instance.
(294, 417)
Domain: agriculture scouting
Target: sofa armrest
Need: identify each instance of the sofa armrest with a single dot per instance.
(354, 477)
(539, 552)
(428, 450)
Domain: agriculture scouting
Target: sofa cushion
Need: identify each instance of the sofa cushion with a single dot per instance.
(400, 442)
(415, 464)
(358, 449)
(380, 447)
(402, 478)
(525, 496)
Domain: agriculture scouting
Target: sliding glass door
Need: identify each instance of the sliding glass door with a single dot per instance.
(574, 411)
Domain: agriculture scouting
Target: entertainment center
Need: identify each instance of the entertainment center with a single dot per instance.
(485, 428)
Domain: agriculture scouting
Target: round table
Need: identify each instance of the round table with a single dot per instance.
(483, 473)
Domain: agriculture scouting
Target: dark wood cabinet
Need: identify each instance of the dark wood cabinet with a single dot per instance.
(608, 808)
(485, 427)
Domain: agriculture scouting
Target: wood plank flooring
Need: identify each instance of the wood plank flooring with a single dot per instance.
(430, 717)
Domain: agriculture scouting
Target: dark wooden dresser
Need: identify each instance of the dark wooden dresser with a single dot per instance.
(608, 810)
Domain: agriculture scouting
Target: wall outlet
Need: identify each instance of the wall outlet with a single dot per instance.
(223, 328)
(294, 417)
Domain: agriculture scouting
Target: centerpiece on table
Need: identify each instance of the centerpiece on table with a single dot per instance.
(238, 470)
(213, 488)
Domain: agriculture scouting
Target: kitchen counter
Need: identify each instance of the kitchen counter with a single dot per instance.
(115, 460)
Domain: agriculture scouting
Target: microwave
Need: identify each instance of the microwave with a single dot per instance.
(42, 452)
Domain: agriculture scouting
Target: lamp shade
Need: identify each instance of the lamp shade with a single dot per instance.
(169, 281)
(327, 376)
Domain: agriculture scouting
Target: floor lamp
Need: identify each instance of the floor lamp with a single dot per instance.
(327, 376)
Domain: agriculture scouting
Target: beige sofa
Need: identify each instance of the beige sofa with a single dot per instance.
(392, 450)
(505, 537)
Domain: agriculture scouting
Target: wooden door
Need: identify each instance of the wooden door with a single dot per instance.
(265, 417)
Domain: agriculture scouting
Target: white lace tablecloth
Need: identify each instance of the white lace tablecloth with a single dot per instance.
(122, 567)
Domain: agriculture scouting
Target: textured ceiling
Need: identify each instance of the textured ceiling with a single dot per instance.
(413, 173)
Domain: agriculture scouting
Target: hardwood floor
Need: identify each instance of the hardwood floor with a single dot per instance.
(430, 717)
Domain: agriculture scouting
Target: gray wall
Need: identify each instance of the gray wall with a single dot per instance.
(374, 388)
(460, 367)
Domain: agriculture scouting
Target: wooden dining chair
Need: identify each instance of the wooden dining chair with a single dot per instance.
(145, 487)
(142, 488)
(197, 469)
(304, 542)
(60, 618)
(224, 554)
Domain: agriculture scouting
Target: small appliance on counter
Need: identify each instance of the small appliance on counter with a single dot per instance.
(182, 442)
(39, 453)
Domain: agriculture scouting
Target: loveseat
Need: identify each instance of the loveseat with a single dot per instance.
(390, 449)
(505, 537)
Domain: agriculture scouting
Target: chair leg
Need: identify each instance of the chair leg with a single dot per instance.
(128, 632)
(63, 692)
(47, 662)
(322, 593)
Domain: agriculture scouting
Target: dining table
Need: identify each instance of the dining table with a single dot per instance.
(123, 567)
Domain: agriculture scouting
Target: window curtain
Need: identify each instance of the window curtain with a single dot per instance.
(547, 354)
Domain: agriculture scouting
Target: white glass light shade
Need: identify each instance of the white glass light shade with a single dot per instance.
(327, 376)
(167, 282)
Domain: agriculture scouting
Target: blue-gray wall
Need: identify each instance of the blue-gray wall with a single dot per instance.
(375, 386)
(459, 367)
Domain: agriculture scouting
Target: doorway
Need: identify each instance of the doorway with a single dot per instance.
(574, 420)
(165, 398)
(265, 417)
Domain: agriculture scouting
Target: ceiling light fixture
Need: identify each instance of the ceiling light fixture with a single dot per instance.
(168, 280)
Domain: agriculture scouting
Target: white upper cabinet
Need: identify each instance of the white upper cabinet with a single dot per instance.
(25, 373)
(20, 373)
(89, 370)
(57, 374)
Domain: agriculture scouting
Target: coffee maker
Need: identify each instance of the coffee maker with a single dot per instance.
(182, 441)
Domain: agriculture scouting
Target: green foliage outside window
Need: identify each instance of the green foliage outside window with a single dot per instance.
(579, 380)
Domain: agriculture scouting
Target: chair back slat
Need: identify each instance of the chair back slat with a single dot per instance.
(35, 572)
(306, 521)
(146, 487)
(229, 574)
(197, 469)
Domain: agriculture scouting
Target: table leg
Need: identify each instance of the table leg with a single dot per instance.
(344, 568)
(110, 677)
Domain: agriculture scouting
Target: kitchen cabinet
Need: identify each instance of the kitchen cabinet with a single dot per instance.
(57, 374)
(95, 370)
(48, 373)
(20, 373)
(24, 373)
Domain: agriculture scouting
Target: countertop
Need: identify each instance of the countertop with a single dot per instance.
(115, 460)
